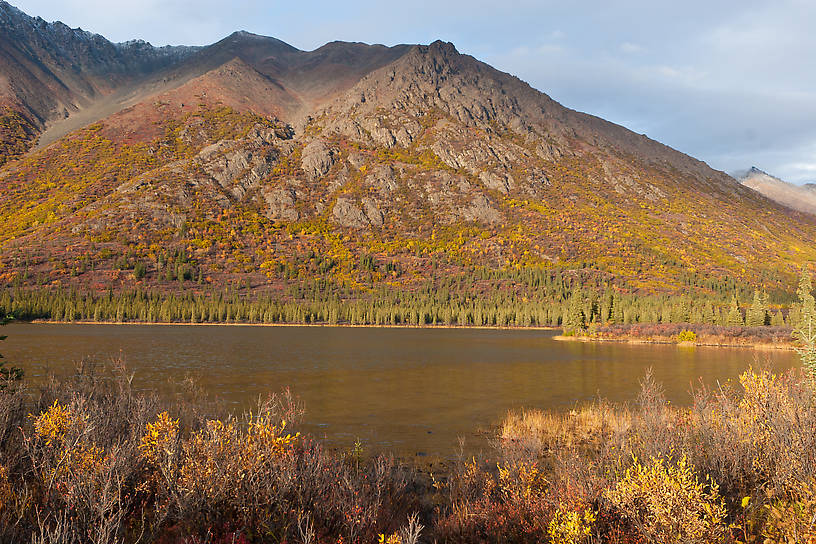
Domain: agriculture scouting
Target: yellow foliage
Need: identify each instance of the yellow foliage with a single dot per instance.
(159, 437)
(521, 480)
(687, 336)
(569, 526)
(52, 424)
(221, 454)
(791, 521)
(6, 492)
(666, 502)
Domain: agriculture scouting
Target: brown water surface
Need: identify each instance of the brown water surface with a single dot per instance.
(409, 391)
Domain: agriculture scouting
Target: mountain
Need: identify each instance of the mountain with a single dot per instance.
(49, 71)
(797, 197)
(250, 163)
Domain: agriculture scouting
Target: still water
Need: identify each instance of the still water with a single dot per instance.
(409, 391)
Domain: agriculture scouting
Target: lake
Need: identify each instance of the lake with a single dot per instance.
(408, 391)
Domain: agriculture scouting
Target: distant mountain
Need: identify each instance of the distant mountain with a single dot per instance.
(797, 197)
(351, 165)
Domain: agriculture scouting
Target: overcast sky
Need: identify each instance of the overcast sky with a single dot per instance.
(730, 82)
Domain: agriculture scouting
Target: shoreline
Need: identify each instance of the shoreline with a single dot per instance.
(560, 337)
(316, 325)
(650, 341)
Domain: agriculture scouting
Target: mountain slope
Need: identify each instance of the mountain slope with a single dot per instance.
(255, 164)
(295, 81)
(801, 198)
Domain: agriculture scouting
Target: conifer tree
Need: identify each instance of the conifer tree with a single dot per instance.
(807, 304)
(805, 332)
(574, 320)
(757, 313)
(734, 318)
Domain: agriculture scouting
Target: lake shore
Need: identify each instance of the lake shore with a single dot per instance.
(316, 325)
(666, 341)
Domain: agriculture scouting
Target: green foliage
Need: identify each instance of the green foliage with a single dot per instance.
(476, 296)
(734, 318)
(805, 332)
(139, 270)
(574, 318)
(757, 315)
(807, 304)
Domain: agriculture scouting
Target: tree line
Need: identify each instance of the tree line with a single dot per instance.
(481, 298)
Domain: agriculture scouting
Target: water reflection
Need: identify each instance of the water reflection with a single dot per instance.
(406, 390)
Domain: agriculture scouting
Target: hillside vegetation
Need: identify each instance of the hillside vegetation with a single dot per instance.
(351, 171)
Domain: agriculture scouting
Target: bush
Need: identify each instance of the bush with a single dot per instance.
(687, 336)
(666, 503)
(139, 270)
(112, 465)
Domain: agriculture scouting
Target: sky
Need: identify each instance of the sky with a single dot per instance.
(732, 83)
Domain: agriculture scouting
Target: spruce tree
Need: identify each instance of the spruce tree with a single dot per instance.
(734, 318)
(574, 318)
(805, 332)
(757, 312)
(807, 304)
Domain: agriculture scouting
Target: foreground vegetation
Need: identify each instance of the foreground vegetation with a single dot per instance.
(90, 459)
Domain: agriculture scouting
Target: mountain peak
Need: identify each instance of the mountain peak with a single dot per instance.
(246, 37)
(446, 48)
(793, 196)
(750, 173)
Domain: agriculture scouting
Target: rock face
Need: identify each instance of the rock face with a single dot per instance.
(239, 169)
(373, 214)
(281, 205)
(347, 214)
(57, 70)
(384, 178)
(481, 211)
(317, 159)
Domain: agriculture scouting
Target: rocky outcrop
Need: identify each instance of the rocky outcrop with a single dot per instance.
(317, 159)
(498, 182)
(481, 211)
(280, 204)
(347, 213)
(239, 166)
(373, 214)
(384, 178)
(239, 169)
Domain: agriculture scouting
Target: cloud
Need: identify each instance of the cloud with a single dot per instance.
(630, 48)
